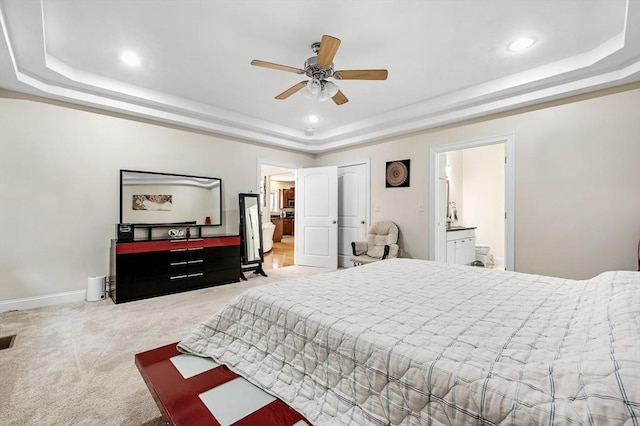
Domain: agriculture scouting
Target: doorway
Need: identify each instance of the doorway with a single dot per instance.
(277, 193)
(441, 194)
(353, 209)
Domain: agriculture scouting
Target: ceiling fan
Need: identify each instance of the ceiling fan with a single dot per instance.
(319, 68)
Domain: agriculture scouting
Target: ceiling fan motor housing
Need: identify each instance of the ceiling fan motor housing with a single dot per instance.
(313, 70)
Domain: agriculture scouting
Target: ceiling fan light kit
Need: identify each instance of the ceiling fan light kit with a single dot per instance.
(331, 88)
(319, 68)
(314, 86)
(320, 90)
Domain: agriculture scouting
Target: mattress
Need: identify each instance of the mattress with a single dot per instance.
(411, 342)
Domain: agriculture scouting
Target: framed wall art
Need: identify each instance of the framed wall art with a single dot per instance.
(152, 202)
(397, 174)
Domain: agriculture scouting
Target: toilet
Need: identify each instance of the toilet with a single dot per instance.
(267, 236)
(483, 255)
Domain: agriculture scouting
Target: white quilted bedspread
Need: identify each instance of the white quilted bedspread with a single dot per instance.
(411, 342)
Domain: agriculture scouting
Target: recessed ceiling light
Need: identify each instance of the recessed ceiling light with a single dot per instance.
(130, 58)
(521, 44)
(313, 119)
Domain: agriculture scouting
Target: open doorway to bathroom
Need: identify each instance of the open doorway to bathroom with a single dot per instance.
(472, 203)
(277, 190)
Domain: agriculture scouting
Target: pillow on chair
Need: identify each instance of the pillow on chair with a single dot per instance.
(381, 244)
(381, 234)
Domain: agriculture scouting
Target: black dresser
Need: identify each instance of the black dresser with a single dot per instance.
(151, 268)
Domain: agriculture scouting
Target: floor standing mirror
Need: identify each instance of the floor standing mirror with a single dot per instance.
(251, 234)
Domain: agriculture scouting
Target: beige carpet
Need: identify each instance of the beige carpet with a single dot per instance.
(73, 364)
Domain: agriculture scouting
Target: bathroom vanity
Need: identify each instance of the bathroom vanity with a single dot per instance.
(461, 245)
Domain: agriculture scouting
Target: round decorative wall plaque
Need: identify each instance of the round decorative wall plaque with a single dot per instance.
(397, 173)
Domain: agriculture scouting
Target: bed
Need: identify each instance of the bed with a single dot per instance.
(410, 342)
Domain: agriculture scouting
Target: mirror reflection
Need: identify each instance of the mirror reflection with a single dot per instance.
(250, 224)
(151, 198)
(251, 234)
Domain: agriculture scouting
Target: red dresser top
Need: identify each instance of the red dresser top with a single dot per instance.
(164, 245)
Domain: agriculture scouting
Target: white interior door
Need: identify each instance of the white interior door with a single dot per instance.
(316, 224)
(352, 209)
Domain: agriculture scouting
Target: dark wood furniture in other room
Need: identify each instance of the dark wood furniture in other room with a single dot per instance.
(277, 233)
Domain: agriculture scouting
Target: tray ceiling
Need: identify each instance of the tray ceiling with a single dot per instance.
(447, 60)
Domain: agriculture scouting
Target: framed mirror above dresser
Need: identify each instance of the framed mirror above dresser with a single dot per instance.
(152, 198)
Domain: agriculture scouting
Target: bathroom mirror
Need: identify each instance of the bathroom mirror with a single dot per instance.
(251, 233)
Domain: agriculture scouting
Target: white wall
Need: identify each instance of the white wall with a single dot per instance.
(455, 174)
(577, 183)
(59, 186)
(483, 195)
(282, 184)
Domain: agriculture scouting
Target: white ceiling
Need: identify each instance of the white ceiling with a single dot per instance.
(447, 60)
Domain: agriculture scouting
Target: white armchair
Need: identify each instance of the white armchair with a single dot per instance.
(382, 243)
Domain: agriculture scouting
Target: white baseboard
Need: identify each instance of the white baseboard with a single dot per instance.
(40, 301)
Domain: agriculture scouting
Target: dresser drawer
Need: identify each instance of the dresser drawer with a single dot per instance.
(221, 257)
(211, 278)
(143, 266)
(142, 289)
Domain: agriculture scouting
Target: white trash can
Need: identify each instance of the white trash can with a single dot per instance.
(96, 288)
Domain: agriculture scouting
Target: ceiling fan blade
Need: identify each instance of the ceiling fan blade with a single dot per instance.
(339, 98)
(271, 65)
(291, 90)
(361, 75)
(328, 49)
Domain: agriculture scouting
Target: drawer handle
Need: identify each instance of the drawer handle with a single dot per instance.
(177, 263)
(178, 277)
(199, 274)
(195, 248)
(195, 261)
(196, 239)
(176, 250)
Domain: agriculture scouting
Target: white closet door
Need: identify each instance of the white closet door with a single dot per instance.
(352, 209)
